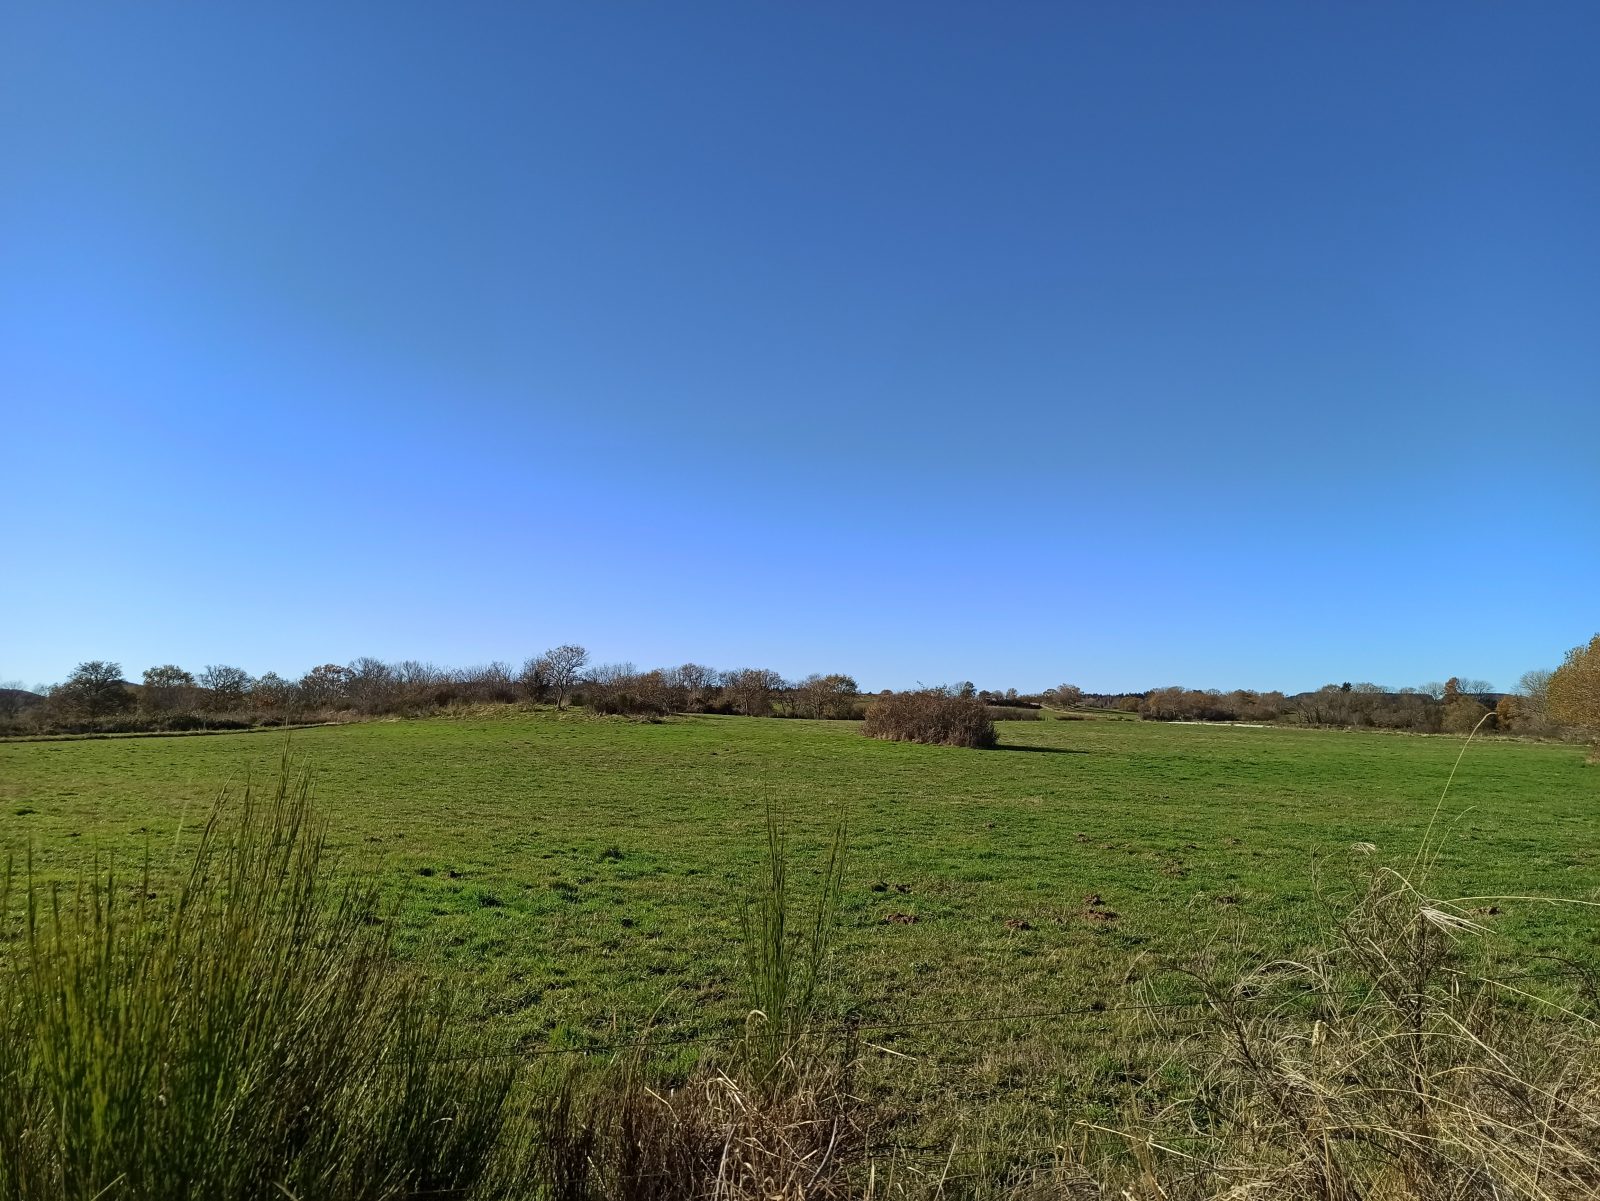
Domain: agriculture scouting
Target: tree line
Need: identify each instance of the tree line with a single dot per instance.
(1455, 706)
(97, 698)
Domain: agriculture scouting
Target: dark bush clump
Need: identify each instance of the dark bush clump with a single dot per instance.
(1011, 713)
(932, 715)
(624, 704)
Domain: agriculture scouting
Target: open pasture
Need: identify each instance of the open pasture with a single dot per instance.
(582, 877)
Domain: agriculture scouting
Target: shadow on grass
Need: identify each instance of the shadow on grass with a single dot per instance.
(1042, 750)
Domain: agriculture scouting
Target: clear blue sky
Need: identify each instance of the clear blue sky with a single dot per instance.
(1233, 345)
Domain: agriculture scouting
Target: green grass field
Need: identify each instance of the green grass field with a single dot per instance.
(582, 878)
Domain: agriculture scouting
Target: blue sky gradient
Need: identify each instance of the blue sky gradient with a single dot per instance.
(1224, 345)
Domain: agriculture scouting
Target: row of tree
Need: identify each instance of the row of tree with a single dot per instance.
(1455, 706)
(1456, 710)
(96, 696)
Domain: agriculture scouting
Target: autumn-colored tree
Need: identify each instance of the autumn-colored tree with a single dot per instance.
(829, 696)
(750, 690)
(1508, 713)
(1462, 715)
(325, 687)
(1163, 704)
(272, 692)
(167, 689)
(1573, 694)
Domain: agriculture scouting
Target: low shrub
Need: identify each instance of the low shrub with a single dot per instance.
(625, 704)
(610, 1134)
(1012, 713)
(934, 716)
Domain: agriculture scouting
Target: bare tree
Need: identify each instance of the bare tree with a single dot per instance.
(371, 686)
(419, 684)
(1365, 700)
(830, 696)
(562, 666)
(751, 690)
(489, 683)
(1066, 695)
(273, 692)
(1535, 689)
(325, 687)
(692, 685)
(655, 694)
(225, 687)
(610, 687)
(14, 698)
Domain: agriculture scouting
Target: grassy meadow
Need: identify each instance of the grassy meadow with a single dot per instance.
(582, 878)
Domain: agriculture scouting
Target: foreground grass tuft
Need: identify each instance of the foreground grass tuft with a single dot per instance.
(783, 965)
(244, 1034)
(1402, 1061)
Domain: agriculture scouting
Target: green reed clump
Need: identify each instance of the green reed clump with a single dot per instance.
(243, 1034)
(784, 954)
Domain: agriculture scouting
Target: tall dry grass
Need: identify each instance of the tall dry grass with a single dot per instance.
(616, 1134)
(1412, 1058)
(1401, 1062)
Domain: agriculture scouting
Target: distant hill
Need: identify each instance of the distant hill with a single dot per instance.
(18, 698)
